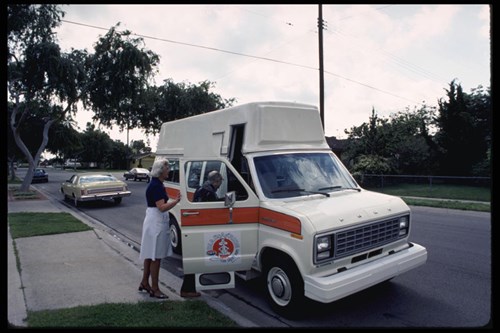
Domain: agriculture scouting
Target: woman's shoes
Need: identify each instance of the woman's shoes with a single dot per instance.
(157, 293)
(145, 288)
(190, 294)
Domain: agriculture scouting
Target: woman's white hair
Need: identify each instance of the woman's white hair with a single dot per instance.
(158, 166)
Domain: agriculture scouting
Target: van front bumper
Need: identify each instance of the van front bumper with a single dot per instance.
(333, 287)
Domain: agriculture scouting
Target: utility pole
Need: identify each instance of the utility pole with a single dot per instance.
(321, 74)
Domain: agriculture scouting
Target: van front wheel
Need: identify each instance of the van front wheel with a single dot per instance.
(175, 237)
(285, 287)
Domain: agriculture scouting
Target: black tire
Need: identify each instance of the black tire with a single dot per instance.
(66, 198)
(75, 200)
(117, 201)
(284, 286)
(175, 236)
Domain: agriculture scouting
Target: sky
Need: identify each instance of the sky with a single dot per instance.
(389, 58)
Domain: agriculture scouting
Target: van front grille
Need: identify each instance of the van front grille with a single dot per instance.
(366, 237)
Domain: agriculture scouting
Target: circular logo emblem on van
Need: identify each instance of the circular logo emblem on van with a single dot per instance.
(223, 248)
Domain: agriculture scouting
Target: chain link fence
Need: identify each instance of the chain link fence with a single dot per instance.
(381, 181)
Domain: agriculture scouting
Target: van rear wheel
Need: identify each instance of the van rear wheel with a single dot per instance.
(285, 286)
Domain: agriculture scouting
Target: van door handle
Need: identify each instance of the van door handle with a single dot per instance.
(190, 213)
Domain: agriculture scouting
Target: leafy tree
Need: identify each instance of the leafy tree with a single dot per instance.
(138, 146)
(407, 148)
(393, 145)
(372, 164)
(117, 156)
(66, 141)
(464, 135)
(118, 77)
(96, 145)
(368, 139)
(173, 101)
(479, 102)
(43, 83)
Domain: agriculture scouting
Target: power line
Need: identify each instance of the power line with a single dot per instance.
(199, 46)
(238, 54)
(368, 86)
(397, 60)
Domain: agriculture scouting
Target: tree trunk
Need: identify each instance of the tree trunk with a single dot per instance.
(32, 161)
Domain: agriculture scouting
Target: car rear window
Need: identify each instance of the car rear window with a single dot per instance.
(92, 179)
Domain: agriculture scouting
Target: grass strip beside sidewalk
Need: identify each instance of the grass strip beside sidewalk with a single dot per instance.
(189, 313)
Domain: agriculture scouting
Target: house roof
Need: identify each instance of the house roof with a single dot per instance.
(142, 155)
(336, 144)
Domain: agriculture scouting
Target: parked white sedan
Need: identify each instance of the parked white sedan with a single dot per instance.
(137, 174)
(94, 186)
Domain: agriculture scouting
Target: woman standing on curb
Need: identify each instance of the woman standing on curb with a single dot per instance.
(155, 243)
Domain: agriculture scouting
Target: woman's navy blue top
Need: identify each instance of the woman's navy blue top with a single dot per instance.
(155, 191)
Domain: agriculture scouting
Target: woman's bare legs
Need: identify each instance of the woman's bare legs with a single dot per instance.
(155, 273)
(145, 276)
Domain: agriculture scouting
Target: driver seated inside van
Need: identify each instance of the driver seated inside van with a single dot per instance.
(207, 192)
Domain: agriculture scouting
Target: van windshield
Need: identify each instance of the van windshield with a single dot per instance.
(298, 174)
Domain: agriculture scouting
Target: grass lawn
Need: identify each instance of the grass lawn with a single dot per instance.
(456, 192)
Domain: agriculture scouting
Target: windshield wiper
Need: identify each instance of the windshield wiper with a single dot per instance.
(338, 187)
(351, 188)
(329, 188)
(299, 190)
(294, 189)
(318, 192)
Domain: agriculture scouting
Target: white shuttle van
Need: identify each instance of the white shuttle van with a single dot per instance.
(288, 210)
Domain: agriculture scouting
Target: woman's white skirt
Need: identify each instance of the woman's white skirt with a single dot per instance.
(155, 243)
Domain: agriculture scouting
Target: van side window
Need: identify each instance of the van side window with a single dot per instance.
(233, 184)
(197, 178)
(194, 174)
(173, 174)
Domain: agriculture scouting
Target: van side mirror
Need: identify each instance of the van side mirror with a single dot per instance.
(230, 199)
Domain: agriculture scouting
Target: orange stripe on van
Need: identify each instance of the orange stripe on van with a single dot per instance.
(218, 216)
(171, 192)
(280, 221)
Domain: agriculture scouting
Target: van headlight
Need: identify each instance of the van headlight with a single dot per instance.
(323, 248)
(404, 225)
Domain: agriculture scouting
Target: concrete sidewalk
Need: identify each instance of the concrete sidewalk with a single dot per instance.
(79, 268)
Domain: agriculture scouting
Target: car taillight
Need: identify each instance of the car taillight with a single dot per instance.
(83, 192)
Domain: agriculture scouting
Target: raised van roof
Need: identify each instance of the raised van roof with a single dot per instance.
(268, 126)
